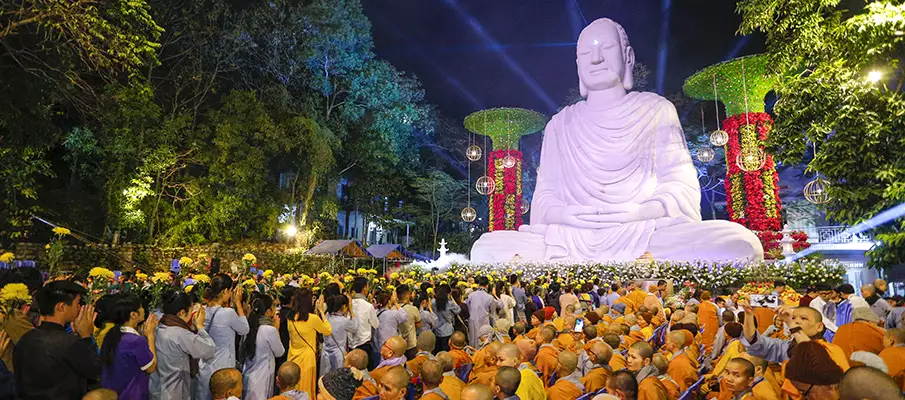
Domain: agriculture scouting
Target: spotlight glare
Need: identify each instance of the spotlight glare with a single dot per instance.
(290, 230)
(874, 76)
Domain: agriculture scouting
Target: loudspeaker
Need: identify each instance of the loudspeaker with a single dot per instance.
(215, 265)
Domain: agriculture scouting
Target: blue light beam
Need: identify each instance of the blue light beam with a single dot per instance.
(666, 11)
(490, 41)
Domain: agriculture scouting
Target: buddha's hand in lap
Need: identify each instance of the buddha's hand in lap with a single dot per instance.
(615, 215)
(574, 216)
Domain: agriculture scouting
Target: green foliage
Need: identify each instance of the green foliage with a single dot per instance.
(825, 54)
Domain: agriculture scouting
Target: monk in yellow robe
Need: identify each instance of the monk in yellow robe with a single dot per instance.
(457, 350)
(599, 353)
(518, 355)
(708, 320)
(763, 388)
(547, 356)
(862, 334)
(732, 330)
(894, 354)
(681, 368)
(451, 385)
(568, 386)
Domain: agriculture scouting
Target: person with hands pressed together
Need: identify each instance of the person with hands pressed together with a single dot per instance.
(223, 323)
(805, 324)
(179, 347)
(53, 364)
(306, 321)
(127, 355)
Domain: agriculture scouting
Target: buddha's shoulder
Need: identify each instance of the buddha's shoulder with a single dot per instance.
(652, 103)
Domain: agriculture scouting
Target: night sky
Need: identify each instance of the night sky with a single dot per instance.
(526, 54)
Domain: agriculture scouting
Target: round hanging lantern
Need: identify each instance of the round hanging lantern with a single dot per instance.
(485, 185)
(719, 137)
(508, 161)
(526, 205)
(469, 214)
(705, 154)
(816, 191)
(473, 152)
(750, 160)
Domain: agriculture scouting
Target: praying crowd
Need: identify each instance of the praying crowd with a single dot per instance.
(439, 336)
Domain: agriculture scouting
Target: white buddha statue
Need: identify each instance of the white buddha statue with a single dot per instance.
(615, 178)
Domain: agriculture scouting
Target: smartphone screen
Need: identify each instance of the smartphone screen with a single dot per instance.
(579, 325)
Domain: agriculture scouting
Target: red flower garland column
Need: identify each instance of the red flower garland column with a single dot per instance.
(505, 202)
(752, 197)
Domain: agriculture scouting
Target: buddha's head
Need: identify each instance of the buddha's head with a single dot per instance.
(604, 57)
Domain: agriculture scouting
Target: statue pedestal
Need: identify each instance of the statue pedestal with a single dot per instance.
(503, 246)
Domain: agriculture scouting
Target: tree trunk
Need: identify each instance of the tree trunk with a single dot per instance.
(309, 195)
(346, 226)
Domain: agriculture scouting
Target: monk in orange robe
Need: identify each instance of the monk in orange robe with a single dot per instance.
(457, 350)
(547, 356)
(617, 362)
(599, 353)
(681, 368)
(708, 320)
(568, 386)
(357, 361)
(640, 363)
(894, 354)
(431, 378)
(451, 385)
(737, 380)
(485, 373)
(763, 388)
(393, 348)
(862, 334)
(661, 362)
(395, 378)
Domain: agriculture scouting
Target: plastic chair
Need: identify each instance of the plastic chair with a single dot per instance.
(553, 379)
(375, 397)
(587, 396)
(464, 371)
(692, 390)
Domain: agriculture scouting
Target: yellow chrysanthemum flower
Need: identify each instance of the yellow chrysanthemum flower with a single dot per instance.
(186, 261)
(372, 271)
(391, 288)
(305, 277)
(348, 278)
(140, 276)
(250, 258)
(160, 277)
(287, 277)
(202, 255)
(47, 246)
(7, 257)
(100, 272)
(394, 275)
(61, 231)
(279, 284)
(268, 273)
(15, 293)
(430, 291)
(362, 271)
(202, 278)
(325, 275)
(249, 282)
(188, 289)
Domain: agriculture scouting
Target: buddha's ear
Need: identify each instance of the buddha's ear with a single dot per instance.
(628, 80)
(582, 89)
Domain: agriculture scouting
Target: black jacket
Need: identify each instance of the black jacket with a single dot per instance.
(53, 364)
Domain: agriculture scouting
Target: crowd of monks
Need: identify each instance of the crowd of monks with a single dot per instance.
(636, 349)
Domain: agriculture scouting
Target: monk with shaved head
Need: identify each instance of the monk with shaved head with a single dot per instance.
(531, 387)
(547, 354)
(451, 385)
(682, 368)
(485, 373)
(476, 391)
(640, 362)
(357, 361)
(394, 383)
(617, 362)
(393, 353)
(431, 378)
(660, 362)
(894, 352)
(457, 349)
(599, 355)
(866, 383)
(568, 386)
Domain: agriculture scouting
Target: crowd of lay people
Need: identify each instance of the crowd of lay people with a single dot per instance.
(445, 337)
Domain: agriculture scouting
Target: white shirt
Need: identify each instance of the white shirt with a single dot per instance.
(367, 319)
(817, 303)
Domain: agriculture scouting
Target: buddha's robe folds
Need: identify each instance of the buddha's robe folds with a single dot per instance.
(629, 159)
(859, 336)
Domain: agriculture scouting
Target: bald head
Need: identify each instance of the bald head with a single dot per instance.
(678, 316)
(519, 328)
(624, 383)
(590, 332)
(865, 383)
(612, 339)
(661, 363)
(601, 353)
(490, 353)
(397, 344)
(445, 360)
(546, 334)
(509, 355)
(357, 359)
(226, 382)
(427, 341)
(568, 363)
(290, 374)
(677, 339)
(396, 378)
(431, 374)
(897, 335)
(101, 394)
(477, 391)
(643, 349)
(527, 348)
(868, 290)
(508, 379)
(568, 323)
(746, 366)
(812, 312)
(457, 340)
(760, 365)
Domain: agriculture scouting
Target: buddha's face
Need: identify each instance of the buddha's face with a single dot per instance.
(603, 61)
